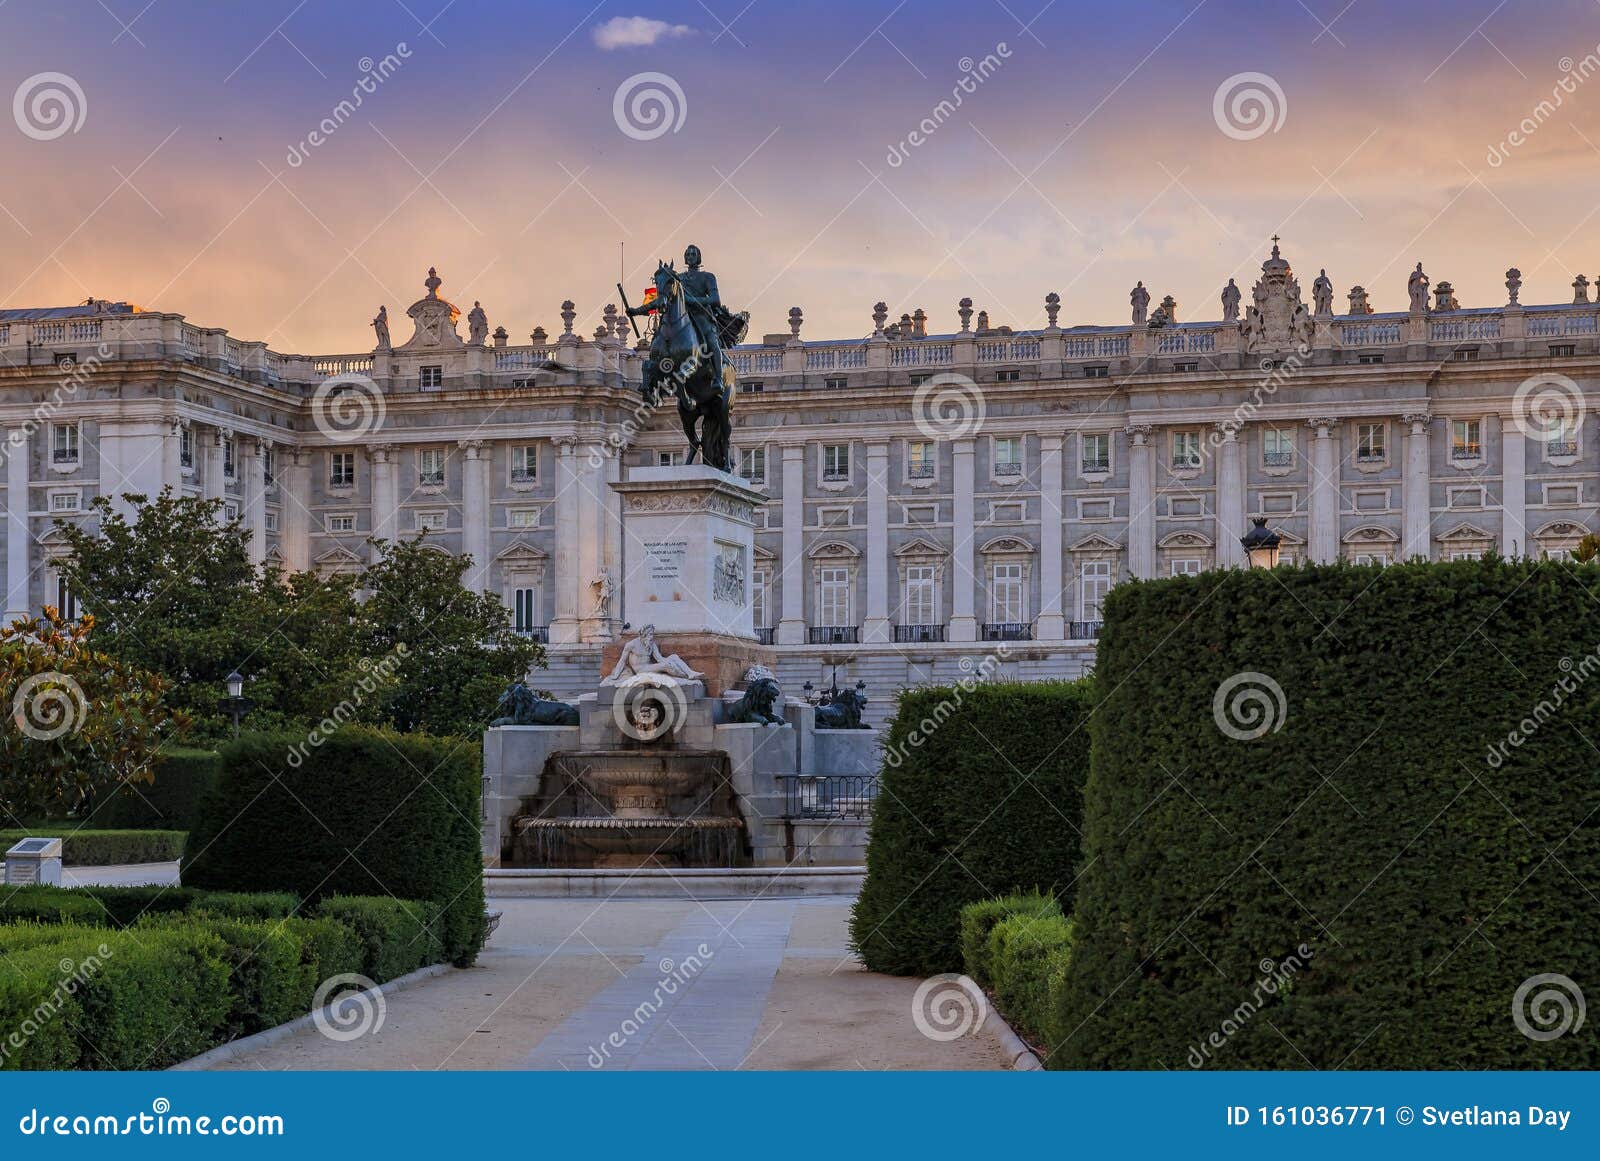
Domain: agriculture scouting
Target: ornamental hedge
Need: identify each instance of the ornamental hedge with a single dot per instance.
(365, 812)
(981, 794)
(104, 848)
(1341, 817)
(183, 777)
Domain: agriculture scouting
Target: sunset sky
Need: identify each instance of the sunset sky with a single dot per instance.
(1088, 158)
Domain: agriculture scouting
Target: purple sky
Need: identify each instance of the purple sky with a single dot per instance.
(1089, 157)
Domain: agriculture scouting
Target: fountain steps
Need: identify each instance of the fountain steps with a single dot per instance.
(697, 883)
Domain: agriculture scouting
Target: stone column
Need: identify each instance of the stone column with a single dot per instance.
(1141, 503)
(564, 625)
(792, 626)
(475, 511)
(385, 494)
(216, 487)
(963, 619)
(593, 502)
(254, 507)
(1324, 546)
(875, 629)
(1050, 625)
(611, 543)
(1514, 485)
(294, 533)
(1230, 499)
(172, 458)
(1418, 499)
(18, 527)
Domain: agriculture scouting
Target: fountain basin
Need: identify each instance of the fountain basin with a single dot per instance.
(639, 842)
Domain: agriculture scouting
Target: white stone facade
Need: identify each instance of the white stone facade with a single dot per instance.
(927, 494)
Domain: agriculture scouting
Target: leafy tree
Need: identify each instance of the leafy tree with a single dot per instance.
(1588, 548)
(82, 721)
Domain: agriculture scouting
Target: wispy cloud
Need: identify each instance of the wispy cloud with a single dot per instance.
(635, 32)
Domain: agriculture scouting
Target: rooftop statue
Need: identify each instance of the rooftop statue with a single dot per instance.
(1417, 285)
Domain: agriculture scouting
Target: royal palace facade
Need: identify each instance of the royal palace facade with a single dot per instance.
(932, 499)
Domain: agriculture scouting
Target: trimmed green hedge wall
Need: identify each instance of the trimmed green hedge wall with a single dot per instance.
(364, 813)
(1427, 879)
(183, 778)
(104, 848)
(981, 794)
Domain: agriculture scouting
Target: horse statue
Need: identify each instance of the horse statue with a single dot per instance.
(688, 359)
(526, 708)
(842, 711)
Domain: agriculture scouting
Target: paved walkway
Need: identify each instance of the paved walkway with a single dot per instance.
(650, 984)
(121, 875)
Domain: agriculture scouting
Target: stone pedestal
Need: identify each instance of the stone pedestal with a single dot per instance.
(688, 542)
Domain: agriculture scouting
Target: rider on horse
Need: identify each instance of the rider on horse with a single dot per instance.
(714, 325)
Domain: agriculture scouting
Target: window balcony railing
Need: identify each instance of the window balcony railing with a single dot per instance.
(834, 634)
(65, 455)
(764, 634)
(1466, 451)
(836, 475)
(539, 633)
(1371, 456)
(1185, 462)
(1007, 468)
(1008, 631)
(524, 476)
(920, 471)
(1562, 447)
(1278, 459)
(918, 634)
(341, 482)
(430, 479)
(1102, 465)
(1083, 630)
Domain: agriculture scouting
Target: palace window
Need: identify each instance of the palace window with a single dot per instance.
(341, 469)
(1007, 599)
(918, 378)
(522, 518)
(1372, 443)
(270, 519)
(1466, 439)
(1186, 450)
(669, 459)
(230, 511)
(524, 610)
(430, 378)
(341, 522)
(1096, 452)
(1188, 566)
(430, 467)
(1379, 558)
(1277, 448)
(1008, 376)
(1563, 350)
(919, 601)
(1562, 438)
(64, 443)
(836, 461)
(228, 463)
(1007, 455)
(1466, 354)
(836, 383)
(524, 463)
(833, 597)
(1094, 584)
(752, 386)
(430, 520)
(1184, 366)
(760, 582)
(66, 599)
(753, 465)
(267, 478)
(919, 460)
(185, 447)
(1370, 358)
(66, 501)
(1097, 371)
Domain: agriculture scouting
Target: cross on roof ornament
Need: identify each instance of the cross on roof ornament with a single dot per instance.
(1275, 245)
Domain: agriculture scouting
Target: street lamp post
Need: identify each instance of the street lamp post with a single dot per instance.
(237, 702)
(1261, 545)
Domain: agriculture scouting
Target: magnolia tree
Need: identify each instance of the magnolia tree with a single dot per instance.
(82, 721)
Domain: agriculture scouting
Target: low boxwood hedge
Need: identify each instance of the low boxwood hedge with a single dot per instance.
(395, 937)
(981, 794)
(1018, 947)
(980, 918)
(84, 847)
(364, 812)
